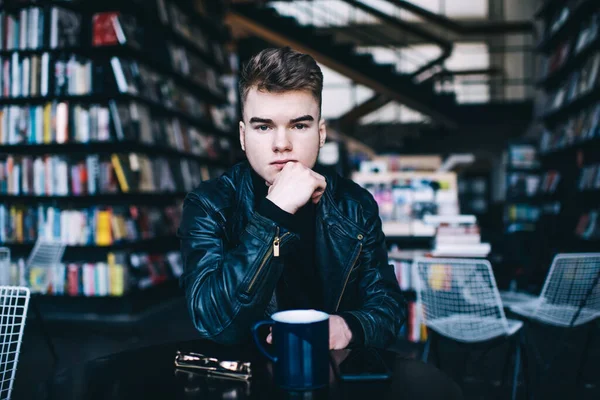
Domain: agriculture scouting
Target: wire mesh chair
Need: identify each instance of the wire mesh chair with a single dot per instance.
(45, 255)
(571, 293)
(459, 300)
(14, 301)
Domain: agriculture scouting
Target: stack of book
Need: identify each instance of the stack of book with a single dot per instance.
(458, 236)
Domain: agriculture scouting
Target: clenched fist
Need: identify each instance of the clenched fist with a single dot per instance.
(295, 186)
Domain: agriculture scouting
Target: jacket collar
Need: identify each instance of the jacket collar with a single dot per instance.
(327, 209)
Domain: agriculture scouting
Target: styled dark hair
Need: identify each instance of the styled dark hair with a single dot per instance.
(278, 70)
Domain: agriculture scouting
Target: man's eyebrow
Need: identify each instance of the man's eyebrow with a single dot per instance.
(302, 118)
(261, 120)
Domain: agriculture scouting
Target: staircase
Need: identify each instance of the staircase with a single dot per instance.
(267, 23)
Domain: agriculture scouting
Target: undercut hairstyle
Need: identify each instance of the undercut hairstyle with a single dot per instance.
(278, 70)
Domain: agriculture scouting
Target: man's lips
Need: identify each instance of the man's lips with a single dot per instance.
(281, 162)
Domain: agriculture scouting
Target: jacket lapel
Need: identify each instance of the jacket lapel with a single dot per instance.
(336, 246)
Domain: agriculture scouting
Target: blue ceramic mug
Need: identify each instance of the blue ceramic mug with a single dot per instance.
(301, 348)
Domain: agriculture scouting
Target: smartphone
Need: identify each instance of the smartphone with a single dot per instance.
(362, 364)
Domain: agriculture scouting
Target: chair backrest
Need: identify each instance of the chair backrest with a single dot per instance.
(14, 302)
(571, 292)
(45, 255)
(4, 266)
(459, 298)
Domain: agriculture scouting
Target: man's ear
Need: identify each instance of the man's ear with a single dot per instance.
(242, 135)
(322, 132)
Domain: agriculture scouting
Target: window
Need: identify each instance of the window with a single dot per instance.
(341, 94)
(393, 113)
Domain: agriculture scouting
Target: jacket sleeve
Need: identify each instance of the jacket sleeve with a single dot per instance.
(227, 289)
(383, 309)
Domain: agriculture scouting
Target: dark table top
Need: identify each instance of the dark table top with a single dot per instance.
(150, 373)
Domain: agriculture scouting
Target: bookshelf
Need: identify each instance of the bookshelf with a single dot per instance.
(110, 112)
(404, 198)
(569, 147)
(522, 180)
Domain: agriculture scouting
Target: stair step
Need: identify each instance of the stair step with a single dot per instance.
(271, 11)
(391, 68)
(344, 52)
(427, 85)
(324, 37)
(345, 48)
(288, 20)
(364, 58)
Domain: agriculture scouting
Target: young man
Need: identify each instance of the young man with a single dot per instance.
(275, 233)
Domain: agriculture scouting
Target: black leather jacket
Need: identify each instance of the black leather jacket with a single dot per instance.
(230, 271)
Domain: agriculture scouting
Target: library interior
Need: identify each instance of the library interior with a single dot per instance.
(472, 127)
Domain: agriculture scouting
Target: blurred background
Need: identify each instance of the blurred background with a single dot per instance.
(474, 124)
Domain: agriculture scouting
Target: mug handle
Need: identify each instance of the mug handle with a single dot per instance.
(258, 341)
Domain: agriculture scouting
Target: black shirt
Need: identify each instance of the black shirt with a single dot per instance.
(300, 286)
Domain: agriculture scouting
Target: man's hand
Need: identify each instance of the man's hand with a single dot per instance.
(294, 186)
(339, 333)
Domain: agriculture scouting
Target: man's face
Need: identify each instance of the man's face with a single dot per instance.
(280, 127)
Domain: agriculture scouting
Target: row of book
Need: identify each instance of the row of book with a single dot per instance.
(54, 122)
(70, 279)
(134, 122)
(139, 79)
(408, 199)
(110, 28)
(414, 330)
(46, 74)
(31, 28)
(72, 74)
(588, 226)
(571, 48)
(579, 83)
(115, 28)
(558, 19)
(37, 27)
(588, 33)
(549, 182)
(522, 184)
(171, 15)
(90, 226)
(580, 127)
(403, 269)
(590, 177)
(192, 67)
(94, 174)
(557, 59)
(522, 212)
(522, 156)
(64, 122)
(116, 276)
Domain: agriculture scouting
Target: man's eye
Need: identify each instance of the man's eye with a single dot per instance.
(300, 126)
(263, 128)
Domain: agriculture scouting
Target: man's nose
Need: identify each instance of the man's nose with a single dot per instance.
(281, 141)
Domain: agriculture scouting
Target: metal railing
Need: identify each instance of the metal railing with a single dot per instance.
(334, 14)
(400, 44)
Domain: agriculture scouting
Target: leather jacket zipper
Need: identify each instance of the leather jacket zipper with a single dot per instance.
(273, 250)
(348, 276)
